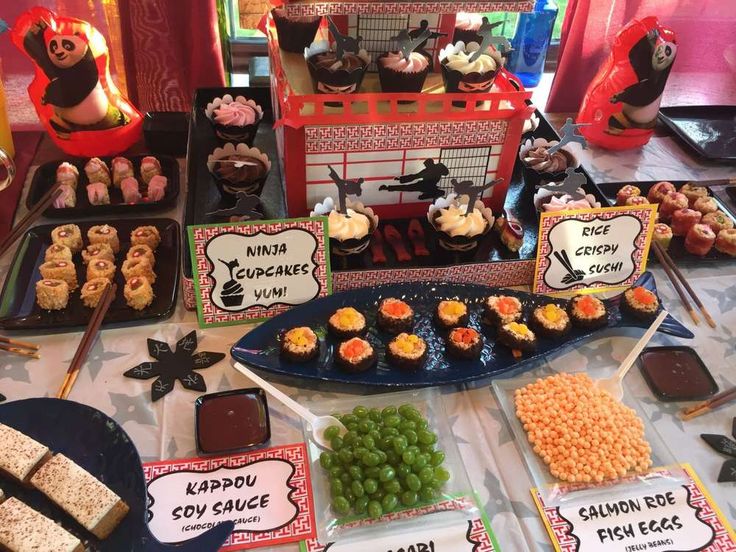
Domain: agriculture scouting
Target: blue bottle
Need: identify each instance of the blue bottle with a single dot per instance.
(530, 42)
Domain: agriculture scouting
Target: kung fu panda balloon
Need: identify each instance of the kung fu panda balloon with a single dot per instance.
(622, 102)
(72, 91)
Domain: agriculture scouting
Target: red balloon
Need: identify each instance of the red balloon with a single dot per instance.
(72, 91)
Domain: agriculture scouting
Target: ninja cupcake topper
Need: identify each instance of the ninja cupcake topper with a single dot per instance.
(468, 188)
(421, 30)
(569, 134)
(245, 208)
(344, 44)
(407, 44)
(489, 39)
(345, 188)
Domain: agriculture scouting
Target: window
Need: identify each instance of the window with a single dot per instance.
(243, 17)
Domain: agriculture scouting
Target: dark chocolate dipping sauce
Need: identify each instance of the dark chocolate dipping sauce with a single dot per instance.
(677, 374)
(232, 421)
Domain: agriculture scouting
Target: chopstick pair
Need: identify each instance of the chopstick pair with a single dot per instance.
(30, 218)
(21, 348)
(706, 406)
(88, 339)
(674, 275)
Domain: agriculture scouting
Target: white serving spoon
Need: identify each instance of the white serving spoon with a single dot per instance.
(318, 424)
(614, 384)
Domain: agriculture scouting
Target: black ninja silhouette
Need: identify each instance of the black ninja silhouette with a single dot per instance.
(343, 43)
(244, 208)
(344, 189)
(486, 33)
(424, 27)
(468, 188)
(569, 134)
(407, 44)
(425, 181)
(573, 181)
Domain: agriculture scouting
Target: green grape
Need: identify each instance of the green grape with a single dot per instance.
(332, 432)
(375, 434)
(405, 409)
(350, 419)
(351, 427)
(392, 458)
(389, 411)
(350, 438)
(392, 420)
(428, 493)
(361, 504)
(409, 457)
(368, 442)
(413, 482)
(409, 498)
(426, 437)
(375, 510)
(336, 487)
(378, 495)
(411, 437)
(359, 451)
(374, 414)
(345, 455)
(389, 502)
(399, 444)
(357, 488)
(438, 457)
(336, 471)
(426, 475)
(360, 411)
(419, 464)
(387, 474)
(336, 444)
(422, 423)
(403, 470)
(349, 494)
(365, 426)
(386, 443)
(426, 449)
(407, 425)
(441, 474)
(392, 486)
(371, 459)
(356, 472)
(414, 449)
(341, 505)
(325, 460)
(372, 472)
(382, 457)
(370, 485)
(389, 432)
(345, 478)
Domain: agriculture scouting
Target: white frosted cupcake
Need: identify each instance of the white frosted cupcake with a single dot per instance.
(349, 233)
(458, 229)
(463, 74)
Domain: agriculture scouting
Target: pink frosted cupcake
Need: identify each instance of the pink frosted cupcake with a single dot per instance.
(398, 74)
(466, 28)
(235, 119)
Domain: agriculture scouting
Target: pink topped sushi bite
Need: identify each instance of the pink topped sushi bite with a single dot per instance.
(98, 194)
(67, 174)
(150, 167)
(157, 188)
(67, 198)
(122, 168)
(129, 187)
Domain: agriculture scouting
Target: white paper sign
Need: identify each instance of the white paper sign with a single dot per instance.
(256, 497)
(657, 522)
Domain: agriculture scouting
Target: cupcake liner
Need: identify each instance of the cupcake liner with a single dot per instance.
(351, 246)
(570, 151)
(468, 83)
(400, 81)
(340, 81)
(234, 133)
(253, 187)
(294, 34)
(542, 197)
(458, 243)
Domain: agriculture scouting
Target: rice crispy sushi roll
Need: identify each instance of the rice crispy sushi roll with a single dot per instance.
(674, 201)
(52, 294)
(663, 234)
(464, 343)
(60, 270)
(718, 221)
(141, 251)
(693, 192)
(98, 251)
(130, 190)
(138, 267)
(101, 268)
(346, 323)
(518, 337)
(683, 220)
(122, 168)
(299, 345)
(587, 312)
(97, 171)
(66, 199)
(57, 252)
(550, 321)
(67, 175)
(157, 188)
(92, 291)
(450, 314)
(501, 309)
(98, 194)
(625, 193)
(69, 235)
(395, 316)
(705, 205)
(726, 242)
(355, 355)
(407, 352)
(138, 293)
(659, 190)
(640, 303)
(104, 233)
(636, 201)
(700, 240)
(150, 167)
(145, 235)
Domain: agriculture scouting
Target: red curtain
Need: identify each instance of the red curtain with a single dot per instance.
(705, 69)
(170, 48)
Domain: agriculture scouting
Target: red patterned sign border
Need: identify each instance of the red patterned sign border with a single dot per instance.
(377, 7)
(303, 526)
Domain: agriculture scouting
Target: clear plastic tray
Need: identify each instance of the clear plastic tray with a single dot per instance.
(455, 504)
(559, 493)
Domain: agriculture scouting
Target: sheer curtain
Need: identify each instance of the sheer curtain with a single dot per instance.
(704, 71)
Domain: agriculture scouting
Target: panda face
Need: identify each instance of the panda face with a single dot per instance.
(664, 55)
(66, 50)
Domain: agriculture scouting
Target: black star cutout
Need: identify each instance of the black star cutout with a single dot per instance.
(724, 445)
(172, 366)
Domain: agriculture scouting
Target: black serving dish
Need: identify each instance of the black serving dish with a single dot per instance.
(45, 177)
(679, 374)
(677, 246)
(205, 418)
(166, 132)
(709, 130)
(18, 308)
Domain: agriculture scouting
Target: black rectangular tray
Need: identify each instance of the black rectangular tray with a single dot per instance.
(677, 247)
(710, 130)
(18, 308)
(45, 177)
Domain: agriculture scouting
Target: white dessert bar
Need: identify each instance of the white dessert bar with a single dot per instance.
(20, 455)
(81, 495)
(23, 529)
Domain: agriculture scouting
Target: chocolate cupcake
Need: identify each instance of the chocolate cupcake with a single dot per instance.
(295, 33)
(398, 74)
(332, 75)
(235, 119)
(239, 169)
(458, 229)
(463, 74)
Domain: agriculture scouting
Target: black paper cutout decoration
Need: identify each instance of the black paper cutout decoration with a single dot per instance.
(344, 44)
(425, 181)
(175, 365)
(424, 27)
(345, 188)
(728, 472)
(468, 188)
(570, 186)
(245, 208)
(406, 43)
(724, 445)
(2, 397)
(569, 134)
(488, 39)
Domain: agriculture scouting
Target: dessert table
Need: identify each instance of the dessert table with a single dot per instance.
(165, 429)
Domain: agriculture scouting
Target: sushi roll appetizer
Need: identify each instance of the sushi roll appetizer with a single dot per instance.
(97, 171)
(157, 188)
(92, 291)
(98, 194)
(464, 343)
(636, 200)
(355, 355)
(627, 192)
(150, 167)
(640, 303)
(122, 169)
(407, 352)
(705, 205)
(299, 345)
(69, 235)
(60, 270)
(518, 337)
(587, 312)
(663, 234)
(658, 191)
(67, 198)
(141, 251)
(145, 235)
(395, 316)
(550, 321)
(501, 309)
(138, 293)
(67, 175)
(129, 189)
(718, 221)
(104, 233)
(346, 323)
(726, 241)
(700, 240)
(138, 267)
(52, 294)
(98, 251)
(101, 268)
(451, 314)
(683, 220)
(693, 193)
(672, 202)
(58, 252)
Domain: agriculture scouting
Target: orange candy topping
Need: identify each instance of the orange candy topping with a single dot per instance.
(354, 348)
(552, 312)
(396, 308)
(520, 329)
(587, 305)
(464, 335)
(644, 296)
(506, 305)
(452, 308)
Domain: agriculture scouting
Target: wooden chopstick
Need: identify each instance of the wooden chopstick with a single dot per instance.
(20, 352)
(21, 344)
(706, 406)
(690, 290)
(30, 218)
(659, 252)
(88, 339)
